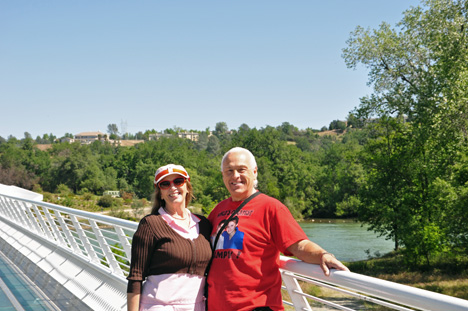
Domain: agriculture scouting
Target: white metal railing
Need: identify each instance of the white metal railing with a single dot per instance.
(363, 288)
(105, 242)
(102, 240)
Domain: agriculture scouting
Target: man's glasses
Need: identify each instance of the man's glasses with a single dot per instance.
(166, 184)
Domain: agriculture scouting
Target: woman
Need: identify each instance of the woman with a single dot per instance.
(170, 249)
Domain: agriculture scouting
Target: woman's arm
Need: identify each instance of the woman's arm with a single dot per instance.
(133, 302)
(142, 246)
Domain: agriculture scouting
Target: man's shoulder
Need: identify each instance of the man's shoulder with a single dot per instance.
(268, 200)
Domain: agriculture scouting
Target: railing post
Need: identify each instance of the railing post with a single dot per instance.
(53, 226)
(25, 216)
(33, 219)
(91, 253)
(14, 209)
(70, 239)
(293, 287)
(124, 241)
(106, 248)
(45, 229)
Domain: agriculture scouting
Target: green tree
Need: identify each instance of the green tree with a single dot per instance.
(244, 127)
(113, 130)
(419, 74)
(202, 142)
(213, 145)
(221, 129)
(338, 176)
(386, 160)
(222, 133)
(354, 122)
(337, 125)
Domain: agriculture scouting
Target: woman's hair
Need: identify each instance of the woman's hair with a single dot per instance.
(159, 202)
(235, 219)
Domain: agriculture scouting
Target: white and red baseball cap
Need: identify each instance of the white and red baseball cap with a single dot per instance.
(169, 169)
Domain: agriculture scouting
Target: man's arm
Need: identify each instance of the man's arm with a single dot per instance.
(310, 252)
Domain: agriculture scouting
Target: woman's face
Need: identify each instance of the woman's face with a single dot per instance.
(174, 194)
(231, 227)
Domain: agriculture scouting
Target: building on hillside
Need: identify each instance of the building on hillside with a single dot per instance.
(89, 137)
(193, 136)
(158, 136)
(112, 193)
(66, 140)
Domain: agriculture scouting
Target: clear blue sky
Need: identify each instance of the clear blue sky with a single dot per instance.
(76, 66)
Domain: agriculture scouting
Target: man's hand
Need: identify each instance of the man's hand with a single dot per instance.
(328, 261)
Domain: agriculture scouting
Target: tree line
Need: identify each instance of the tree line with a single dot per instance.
(399, 163)
(299, 167)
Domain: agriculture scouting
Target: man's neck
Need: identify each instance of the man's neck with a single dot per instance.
(242, 198)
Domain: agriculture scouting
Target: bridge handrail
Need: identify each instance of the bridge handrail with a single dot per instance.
(106, 242)
(103, 240)
(371, 289)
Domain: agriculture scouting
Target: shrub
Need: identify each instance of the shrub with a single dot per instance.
(87, 196)
(67, 201)
(48, 197)
(37, 188)
(127, 197)
(63, 190)
(118, 212)
(105, 201)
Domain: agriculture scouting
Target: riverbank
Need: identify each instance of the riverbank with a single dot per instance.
(448, 276)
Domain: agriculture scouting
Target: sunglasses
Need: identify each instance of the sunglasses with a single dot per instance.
(166, 184)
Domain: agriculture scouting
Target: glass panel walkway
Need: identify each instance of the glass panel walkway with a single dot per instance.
(18, 292)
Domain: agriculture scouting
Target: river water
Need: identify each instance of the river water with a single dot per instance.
(346, 239)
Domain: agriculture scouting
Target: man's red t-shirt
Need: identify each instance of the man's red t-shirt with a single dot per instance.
(249, 277)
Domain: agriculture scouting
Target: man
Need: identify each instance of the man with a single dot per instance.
(249, 279)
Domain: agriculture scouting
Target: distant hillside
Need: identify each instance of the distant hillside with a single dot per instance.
(332, 133)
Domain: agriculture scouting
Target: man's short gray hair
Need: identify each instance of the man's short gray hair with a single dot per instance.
(252, 162)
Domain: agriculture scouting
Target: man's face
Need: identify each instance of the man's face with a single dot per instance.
(238, 177)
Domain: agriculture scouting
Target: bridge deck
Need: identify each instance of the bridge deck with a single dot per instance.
(24, 286)
(18, 292)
